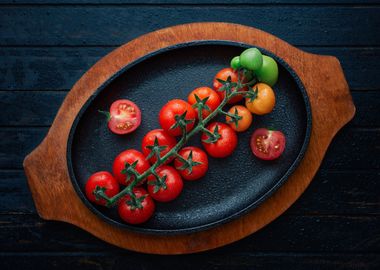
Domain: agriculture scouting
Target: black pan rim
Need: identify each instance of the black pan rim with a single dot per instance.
(221, 221)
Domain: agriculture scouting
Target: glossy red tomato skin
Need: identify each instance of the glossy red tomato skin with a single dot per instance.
(125, 117)
(101, 179)
(267, 144)
(164, 138)
(170, 110)
(129, 156)
(212, 102)
(223, 74)
(174, 184)
(198, 155)
(137, 215)
(226, 144)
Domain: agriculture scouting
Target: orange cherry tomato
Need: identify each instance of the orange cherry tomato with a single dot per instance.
(264, 102)
(246, 118)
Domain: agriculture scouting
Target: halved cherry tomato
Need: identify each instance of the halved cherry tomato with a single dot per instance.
(223, 75)
(267, 144)
(129, 156)
(163, 139)
(212, 102)
(135, 215)
(197, 155)
(173, 108)
(225, 145)
(264, 102)
(125, 117)
(246, 118)
(103, 180)
(172, 184)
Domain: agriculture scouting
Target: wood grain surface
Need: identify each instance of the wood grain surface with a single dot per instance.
(46, 166)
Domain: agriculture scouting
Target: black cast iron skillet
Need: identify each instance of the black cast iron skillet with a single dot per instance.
(233, 185)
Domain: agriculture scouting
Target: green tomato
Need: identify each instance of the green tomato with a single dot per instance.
(268, 73)
(235, 62)
(251, 59)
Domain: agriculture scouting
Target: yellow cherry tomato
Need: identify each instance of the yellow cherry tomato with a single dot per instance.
(264, 102)
(243, 123)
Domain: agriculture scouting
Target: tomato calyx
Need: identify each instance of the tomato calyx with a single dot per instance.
(234, 118)
(201, 105)
(181, 121)
(130, 170)
(188, 163)
(227, 85)
(135, 202)
(158, 183)
(155, 150)
(213, 137)
(252, 93)
(100, 194)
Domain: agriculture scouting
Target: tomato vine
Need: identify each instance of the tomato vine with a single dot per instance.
(231, 89)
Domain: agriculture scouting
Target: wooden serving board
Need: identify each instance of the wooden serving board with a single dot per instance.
(46, 167)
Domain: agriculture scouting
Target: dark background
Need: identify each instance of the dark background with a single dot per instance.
(46, 46)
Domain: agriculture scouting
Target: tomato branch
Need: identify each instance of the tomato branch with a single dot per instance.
(231, 89)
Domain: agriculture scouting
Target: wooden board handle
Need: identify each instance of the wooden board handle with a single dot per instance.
(46, 167)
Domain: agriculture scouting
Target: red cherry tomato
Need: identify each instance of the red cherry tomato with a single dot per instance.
(135, 215)
(163, 138)
(173, 183)
(223, 75)
(129, 156)
(170, 110)
(267, 144)
(103, 180)
(212, 102)
(125, 117)
(197, 171)
(225, 145)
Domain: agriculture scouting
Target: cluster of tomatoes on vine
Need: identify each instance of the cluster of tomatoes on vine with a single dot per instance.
(250, 77)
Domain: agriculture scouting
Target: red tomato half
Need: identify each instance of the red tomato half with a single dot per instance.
(129, 156)
(170, 110)
(103, 180)
(267, 144)
(198, 155)
(163, 138)
(223, 75)
(225, 145)
(134, 215)
(125, 117)
(173, 183)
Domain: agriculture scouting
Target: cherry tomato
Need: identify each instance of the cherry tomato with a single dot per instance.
(251, 59)
(170, 110)
(103, 180)
(135, 215)
(268, 73)
(225, 145)
(267, 144)
(129, 156)
(244, 123)
(264, 102)
(235, 62)
(163, 138)
(212, 102)
(223, 75)
(197, 171)
(124, 117)
(173, 184)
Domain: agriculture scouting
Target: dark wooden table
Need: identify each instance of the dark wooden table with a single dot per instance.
(46, 45)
